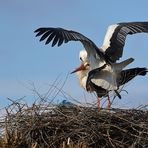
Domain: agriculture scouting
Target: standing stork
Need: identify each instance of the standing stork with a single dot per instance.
(110, 51)
(100, 80)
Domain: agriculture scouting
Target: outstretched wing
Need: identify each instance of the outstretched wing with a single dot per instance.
(129, 74)
(115, 37)
(60, 35)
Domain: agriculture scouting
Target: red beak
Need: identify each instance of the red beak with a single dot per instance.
(81, 67)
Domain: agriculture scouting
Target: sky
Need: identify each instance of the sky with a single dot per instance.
(28, 66)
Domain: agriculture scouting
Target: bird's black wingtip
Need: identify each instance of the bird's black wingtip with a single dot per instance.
(42, 29)
(37, 30)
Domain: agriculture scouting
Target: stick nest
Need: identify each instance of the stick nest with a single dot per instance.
(72, 126)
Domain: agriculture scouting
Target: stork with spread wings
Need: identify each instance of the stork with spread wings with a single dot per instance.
(108, 54)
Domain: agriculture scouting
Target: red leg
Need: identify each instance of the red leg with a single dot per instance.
(109, 103)
(98, 103)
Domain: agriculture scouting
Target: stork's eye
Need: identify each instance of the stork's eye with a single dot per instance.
(87, 64)
(81, 59)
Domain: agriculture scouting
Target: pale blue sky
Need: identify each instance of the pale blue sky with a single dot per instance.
(24, 60)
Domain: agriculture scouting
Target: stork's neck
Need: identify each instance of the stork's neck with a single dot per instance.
(82, 76)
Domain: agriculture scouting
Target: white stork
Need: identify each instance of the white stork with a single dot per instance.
(107, 54)
(101, 79)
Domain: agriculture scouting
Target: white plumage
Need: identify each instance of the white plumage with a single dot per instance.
(109, 33)
(92, 71)
(106, 78)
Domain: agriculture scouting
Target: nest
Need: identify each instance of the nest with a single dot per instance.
(72, 126)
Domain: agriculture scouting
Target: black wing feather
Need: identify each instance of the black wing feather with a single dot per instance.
(129, 74)
(117, 41)
(61, 40)
(62, 34)
(56, 39)
(50, 38)
(45, 35)
(59, 35)
(40, 31)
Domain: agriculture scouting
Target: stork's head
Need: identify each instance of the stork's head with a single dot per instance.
(83, 70)
(83, 56)
(84, 67)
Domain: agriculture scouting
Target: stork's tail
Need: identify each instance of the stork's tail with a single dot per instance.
(129, 74)
(119, 66)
